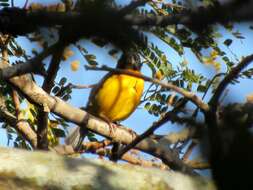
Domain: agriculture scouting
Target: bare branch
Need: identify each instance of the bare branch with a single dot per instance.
(183, 135)
(198, 165)
(81, 86)
(189, 151)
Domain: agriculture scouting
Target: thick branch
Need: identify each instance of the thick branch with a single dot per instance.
(22, 68)
(32, 66)
(21, 169)
(19, 21)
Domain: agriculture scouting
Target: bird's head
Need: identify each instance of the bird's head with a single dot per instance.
(129, 60)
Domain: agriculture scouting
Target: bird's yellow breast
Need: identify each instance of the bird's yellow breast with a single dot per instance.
(118, 97)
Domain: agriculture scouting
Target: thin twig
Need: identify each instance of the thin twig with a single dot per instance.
(189, 151)
(25, 5)
(81, 86)
(207, 89)
(198, 165)
(233, 74)
(99, 148)
(189, 95)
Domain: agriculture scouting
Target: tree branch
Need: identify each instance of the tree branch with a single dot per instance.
(15, 21)
(21, 126)
(189, 151)
(24, 170)
(168, 116)
(198, 165)
(233, 74)
(189, 95)
(183, 135)
(32, 66)
(99, 148)
(48, 84)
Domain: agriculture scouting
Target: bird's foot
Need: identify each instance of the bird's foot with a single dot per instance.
(133, 133)
(112, 127)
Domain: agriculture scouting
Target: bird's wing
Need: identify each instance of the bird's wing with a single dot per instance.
(90, 107)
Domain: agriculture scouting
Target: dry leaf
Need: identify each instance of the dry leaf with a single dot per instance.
(75, 65)
(249, 98)
(67, 53)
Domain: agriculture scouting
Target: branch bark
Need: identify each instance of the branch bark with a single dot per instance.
(21, 126)
(21, 169)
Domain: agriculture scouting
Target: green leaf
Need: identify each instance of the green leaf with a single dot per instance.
(66, 97)
(91, 59)
(201, 88)
(34, 114)
(92, 139)
(58, 132)
(4, 4)
(91, 136)
(63, 81)
(147, 106)
(56, 89)
(228, 42)
(238, 35)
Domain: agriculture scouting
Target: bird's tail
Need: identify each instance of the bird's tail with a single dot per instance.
(76, 137)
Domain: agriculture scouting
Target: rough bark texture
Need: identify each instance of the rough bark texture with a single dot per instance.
(21, 169)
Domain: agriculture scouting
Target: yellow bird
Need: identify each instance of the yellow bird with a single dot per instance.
(115, 97)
